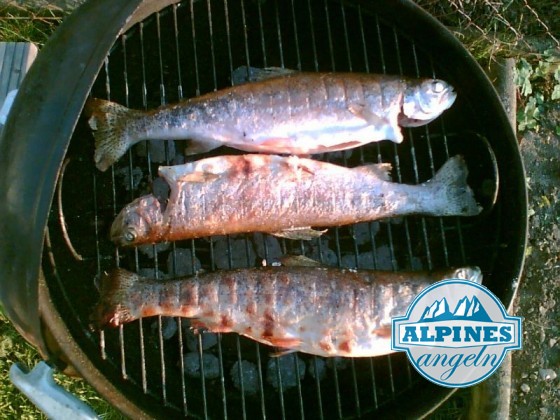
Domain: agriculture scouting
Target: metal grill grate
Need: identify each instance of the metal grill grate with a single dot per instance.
(192, 48)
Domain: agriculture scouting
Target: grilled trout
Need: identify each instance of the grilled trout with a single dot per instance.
(316, 310)
(297, 113)
(284, 196)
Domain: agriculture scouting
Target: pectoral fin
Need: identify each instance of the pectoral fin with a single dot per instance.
(305, 233)
(383, 331)
(285, 343)
(279, 143)
(281, 353)
(300, 261)
(198, 177)
(363, 112)
(386, 124)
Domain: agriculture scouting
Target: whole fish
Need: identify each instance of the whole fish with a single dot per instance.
(297, 113)
(316, 310)
(284, 196)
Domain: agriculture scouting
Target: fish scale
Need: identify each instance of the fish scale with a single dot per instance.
(315, 310)
(284, 196)
(297, 113)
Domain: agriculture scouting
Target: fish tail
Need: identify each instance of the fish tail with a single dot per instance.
(109, 120)
(113, 308)
(470, 273)
(450, 184)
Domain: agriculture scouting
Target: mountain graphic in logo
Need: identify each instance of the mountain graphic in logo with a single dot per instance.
(466, 309)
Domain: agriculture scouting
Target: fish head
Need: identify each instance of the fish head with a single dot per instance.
(136, 223)
(424, 101)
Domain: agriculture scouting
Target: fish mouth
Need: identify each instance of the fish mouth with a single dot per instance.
(117, 229)
(448, 98)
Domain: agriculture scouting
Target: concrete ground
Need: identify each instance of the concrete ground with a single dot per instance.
(536, 386)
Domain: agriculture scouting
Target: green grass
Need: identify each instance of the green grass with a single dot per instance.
(509, 28)
(18, 24)
(15, 405)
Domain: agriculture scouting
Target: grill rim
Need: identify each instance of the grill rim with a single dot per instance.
(44, 145)
(405, 9)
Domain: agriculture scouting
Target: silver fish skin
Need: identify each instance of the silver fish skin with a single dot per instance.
(316, 310)
(298, 113)
(284, 196)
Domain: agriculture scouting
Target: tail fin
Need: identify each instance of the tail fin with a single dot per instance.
(450, 184)
(113, 308)
(108, 120)
(470, 273)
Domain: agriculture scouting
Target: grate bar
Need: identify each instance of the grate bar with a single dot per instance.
(356, 393)
(298, 381)
(313, 41)
(222, 377)
(279, 34)
(335, 370)
(211, 34)
(145, 106)
(261, 29)
(280, 388)
(177, 56)
(329, 35)
(202, 376)
(156, 260)
(261, 384)
(245, 36)
(373, 384)
(182, 364)
(318, 385)
(296, 37)
(195, 55)
(337, 25)
(103, 352)
(346, 40)
(228, 38)
(241, 380)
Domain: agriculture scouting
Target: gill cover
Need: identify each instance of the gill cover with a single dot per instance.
(425, 101)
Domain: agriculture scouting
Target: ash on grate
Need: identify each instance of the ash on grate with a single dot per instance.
(380, 260)
(157, 149)
(317, 368)
(323, 253)
(192, 365)
(168, 327)
(267, 247)
(247, 372)
(240, 252)
(363, 232)
(150, 250)
(287, 367)
(181, 262)
(194, 339)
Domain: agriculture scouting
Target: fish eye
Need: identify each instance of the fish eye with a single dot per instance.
(129, 235)
(438, 87)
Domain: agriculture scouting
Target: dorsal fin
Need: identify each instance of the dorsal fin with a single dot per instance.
(299, 261)
(379, 170)
(246, 74)
(189, 172)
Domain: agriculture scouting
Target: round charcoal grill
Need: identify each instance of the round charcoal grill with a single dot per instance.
(144, 54)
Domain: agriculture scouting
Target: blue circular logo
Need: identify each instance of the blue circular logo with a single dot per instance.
(456, 333)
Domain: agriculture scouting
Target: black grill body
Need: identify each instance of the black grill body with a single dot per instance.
(192, 47)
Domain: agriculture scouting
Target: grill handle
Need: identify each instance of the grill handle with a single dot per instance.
(53, 400)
